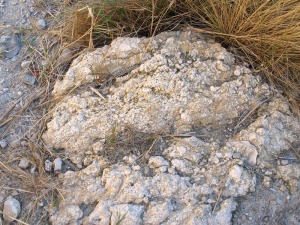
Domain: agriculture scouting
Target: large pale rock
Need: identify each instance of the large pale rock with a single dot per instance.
(192, 91)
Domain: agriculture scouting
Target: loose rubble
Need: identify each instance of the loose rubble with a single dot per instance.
(211, 159)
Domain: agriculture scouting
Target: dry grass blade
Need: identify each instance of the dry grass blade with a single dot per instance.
(251, 112)
(101, 21)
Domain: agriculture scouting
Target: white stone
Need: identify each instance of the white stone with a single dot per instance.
(11, 209)
(33, 170)
(3, 143)
(57, 165)
(41, 24)
(24, 163)
(236, 172)
(48, 165)
(219, 155)
(163, 169)
(214, 159)
(29, 79)
(284, 162)
(25, 64)
(136, 167)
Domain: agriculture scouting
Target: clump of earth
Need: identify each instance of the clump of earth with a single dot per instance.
(172, 130)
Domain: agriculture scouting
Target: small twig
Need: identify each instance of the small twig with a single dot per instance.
(250, 112)
(8, 111)
(218, 199)
(287, 158)
(17, 189)
(151, 147)
(98, 93)
(1, 163)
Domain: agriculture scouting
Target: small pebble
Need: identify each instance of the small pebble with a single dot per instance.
(237, 72)
(210, 201)
(268, 173)
(24, 163)
(11, 209)
(24, 143)
(25, 64)
(219, 155)
(237, 155)
(57, 165)
(284, 162)
(215, 160)
(33, 170)
(3, 143)
(136, 168)
(29, 79)
(266, 181)
(163, 169)
(31, 9)
(48, 165)
(235, 172)
(266, 218)
(41, 24)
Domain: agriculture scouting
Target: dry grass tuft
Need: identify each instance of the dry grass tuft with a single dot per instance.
(267, 32)
(98, 22)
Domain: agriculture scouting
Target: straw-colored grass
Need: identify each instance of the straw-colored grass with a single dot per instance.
(98, 22)
(266, 31)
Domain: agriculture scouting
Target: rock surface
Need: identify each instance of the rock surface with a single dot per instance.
(209, 155)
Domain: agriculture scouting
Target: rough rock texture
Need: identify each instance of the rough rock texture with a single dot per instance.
(224, 133)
